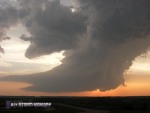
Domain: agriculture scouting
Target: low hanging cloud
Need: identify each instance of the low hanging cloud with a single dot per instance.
(100, 41)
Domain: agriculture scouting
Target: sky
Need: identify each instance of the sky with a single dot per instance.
(74, 47)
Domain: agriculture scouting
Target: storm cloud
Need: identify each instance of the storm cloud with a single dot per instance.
(100, 40)
(8, 18)
(53, 27)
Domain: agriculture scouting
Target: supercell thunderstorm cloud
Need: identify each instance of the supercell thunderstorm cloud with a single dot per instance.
(100, 41)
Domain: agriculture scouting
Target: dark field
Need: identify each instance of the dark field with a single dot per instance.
(81, 104)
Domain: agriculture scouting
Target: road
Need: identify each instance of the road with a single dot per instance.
(85, 110)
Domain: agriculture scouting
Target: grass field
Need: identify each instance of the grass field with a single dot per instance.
(81, 104)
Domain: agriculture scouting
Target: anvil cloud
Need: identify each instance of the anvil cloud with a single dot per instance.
(100, 40)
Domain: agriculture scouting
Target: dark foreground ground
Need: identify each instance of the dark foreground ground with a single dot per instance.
(81, 104)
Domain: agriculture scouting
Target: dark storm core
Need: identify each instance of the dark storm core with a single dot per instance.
(100, 41)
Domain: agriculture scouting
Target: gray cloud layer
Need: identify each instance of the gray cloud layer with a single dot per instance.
(101, 41)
